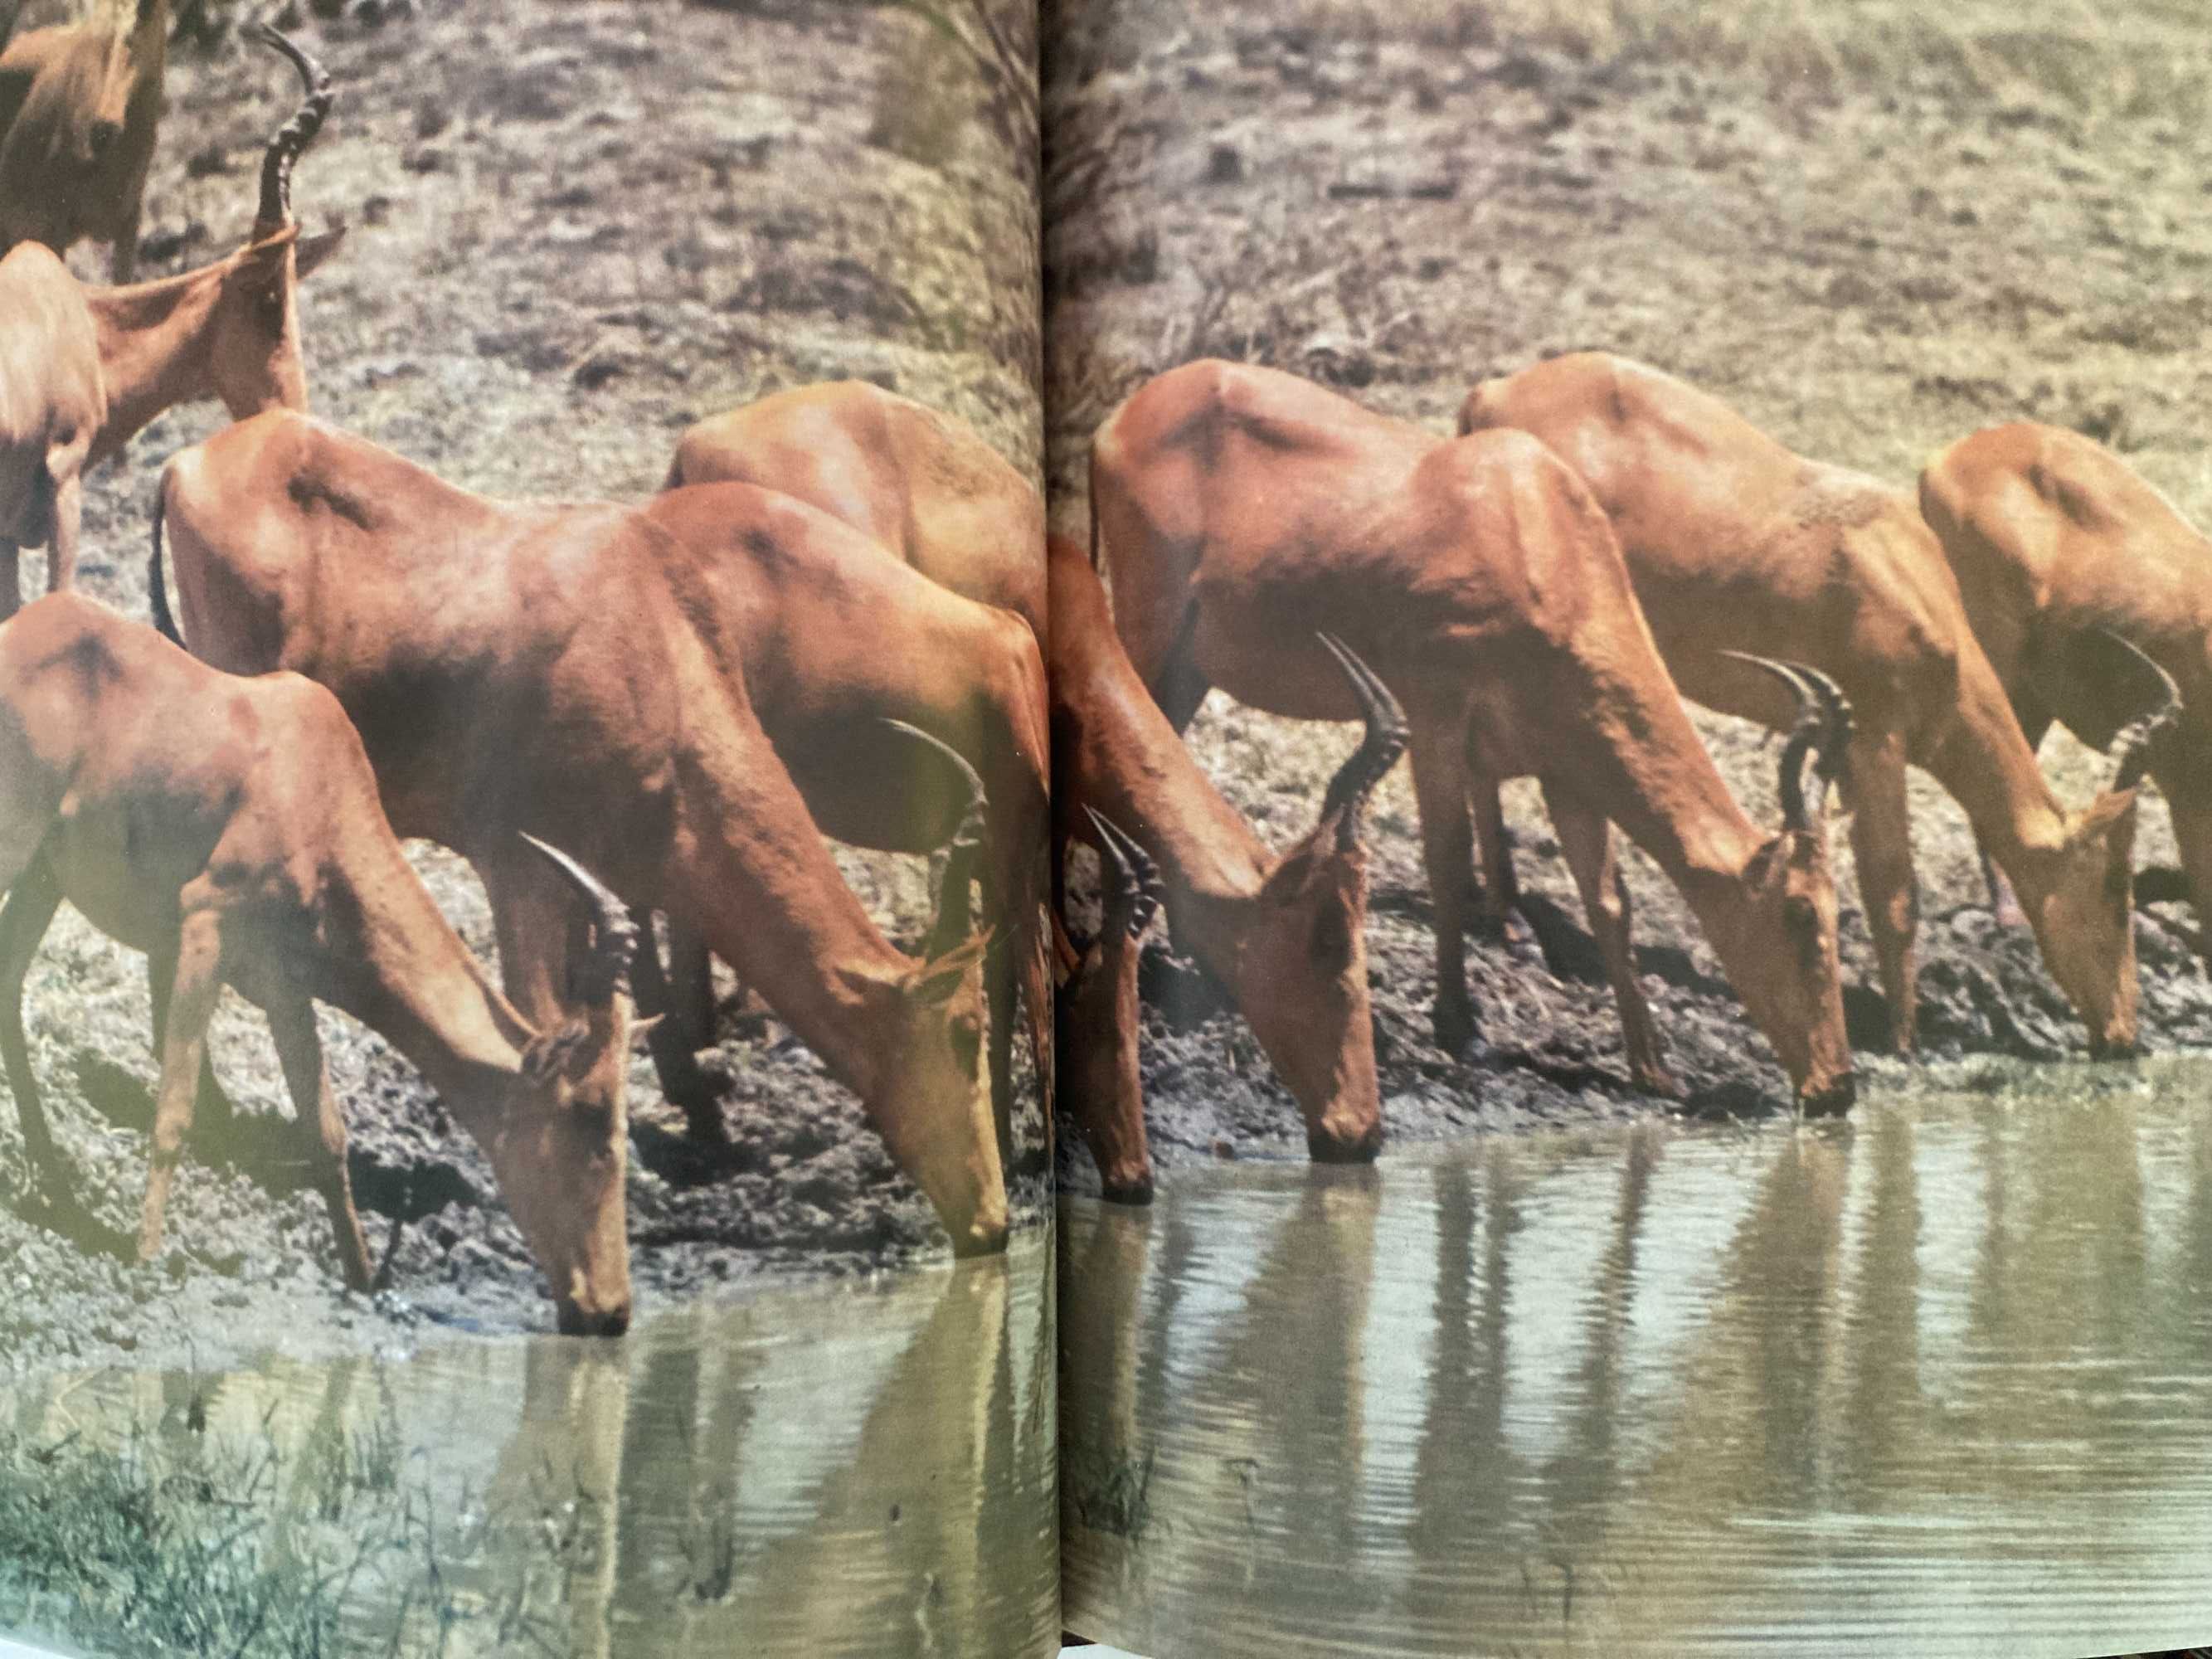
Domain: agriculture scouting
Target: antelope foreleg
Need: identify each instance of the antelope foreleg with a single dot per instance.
(1882, 842)
(687, 1085)
(1098, 1032)
(1499, 899)
(690, 985)
(531, 916)
(2189, 798)
(1441, 784)
(68, 525)
(1586, 844)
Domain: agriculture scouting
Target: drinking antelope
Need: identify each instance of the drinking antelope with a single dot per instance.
(2059, 546)
(1735, 544)
(573, 671)
(1284, 933)
(83, 369)
(833, 639)
(1241, 511)
(230, 830)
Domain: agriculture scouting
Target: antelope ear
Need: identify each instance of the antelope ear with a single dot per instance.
(313, 250)
(941, 978)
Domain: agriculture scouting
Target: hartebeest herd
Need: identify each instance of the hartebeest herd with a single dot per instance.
(844, 616)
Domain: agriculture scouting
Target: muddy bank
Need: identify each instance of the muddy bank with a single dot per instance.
(574, 229)
(1871, 230)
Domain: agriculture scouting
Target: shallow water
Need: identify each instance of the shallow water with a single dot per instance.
(837, 1471)
(1941, 1378)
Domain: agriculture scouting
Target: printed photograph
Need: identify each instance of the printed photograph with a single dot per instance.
(1707, 1149)
(526, 973)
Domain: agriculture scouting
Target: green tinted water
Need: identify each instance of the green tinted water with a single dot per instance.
(831, 1471)
(1940, 1380)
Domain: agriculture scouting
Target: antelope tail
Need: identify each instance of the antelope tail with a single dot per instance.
(157, 584)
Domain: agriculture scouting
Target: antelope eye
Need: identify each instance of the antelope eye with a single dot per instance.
(1331, 941)
(1800, 912)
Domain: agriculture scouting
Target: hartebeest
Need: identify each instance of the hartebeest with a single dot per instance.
(230, 829)
(1284, 933)
(1241, 511)
(835, 638)
(1734, 543)
(80, 105)
(82, 370)
(573, 670)
(2059, 547)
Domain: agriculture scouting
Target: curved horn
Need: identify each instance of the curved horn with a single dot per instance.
(1346, 799)
(1822, 729)
(605, 969)
(294, 135)
(1135, 892)
(953, 922)
(2132, 743)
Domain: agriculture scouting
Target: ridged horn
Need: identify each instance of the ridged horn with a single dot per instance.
(1134, 892)
(604, 970)
(953, 920)
(1821, 730)
(292, 138)
(1345, 800)
(2132, 743)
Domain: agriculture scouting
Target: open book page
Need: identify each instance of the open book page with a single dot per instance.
(577, 1182)
(1708, 1153)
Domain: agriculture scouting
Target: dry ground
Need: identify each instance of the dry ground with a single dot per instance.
(576, 229)
(1871, 228)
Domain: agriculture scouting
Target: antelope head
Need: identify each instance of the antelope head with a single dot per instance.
(131, 54)
(933, 1105)
(254, 337)
(1786, 928)
(1300, 967)
(558, 1136)
(2081, 905)
(1100, 1013)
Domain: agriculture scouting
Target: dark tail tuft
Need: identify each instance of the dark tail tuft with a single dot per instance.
(157, 584)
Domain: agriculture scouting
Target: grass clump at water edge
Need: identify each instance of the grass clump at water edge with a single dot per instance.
(155, 1543)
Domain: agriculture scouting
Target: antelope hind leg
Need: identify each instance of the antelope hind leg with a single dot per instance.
(31, 904)
(192, 1004)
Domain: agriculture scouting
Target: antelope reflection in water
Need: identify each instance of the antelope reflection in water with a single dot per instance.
(831, 1471)
(1945, 1373)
